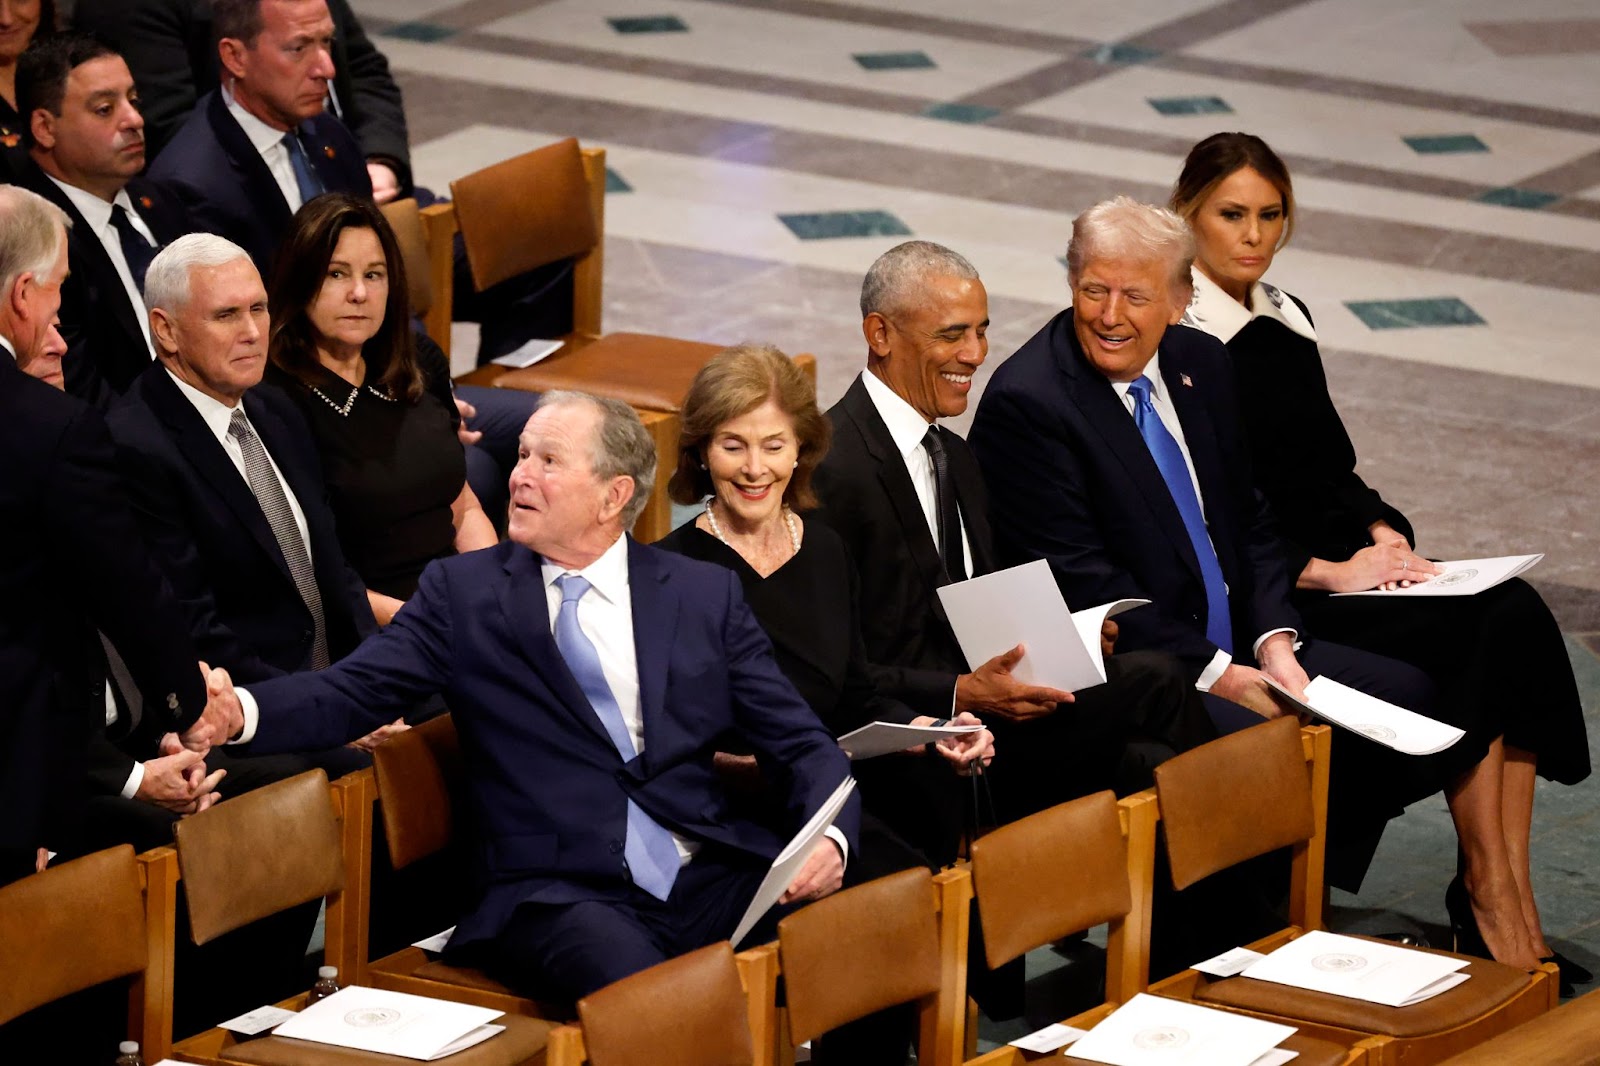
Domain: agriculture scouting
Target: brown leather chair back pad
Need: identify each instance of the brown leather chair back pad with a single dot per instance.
(688, 1011)
(258, 854)
(1056, 872)
(1234, 798)
(859, 951)
(70, 928)
(642, 370)
(525, 212)
(415, 771)
(406, 221)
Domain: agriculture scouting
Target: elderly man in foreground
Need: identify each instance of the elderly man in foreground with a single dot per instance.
(590, 677)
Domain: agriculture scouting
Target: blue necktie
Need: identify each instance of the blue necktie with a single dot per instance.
(136, 251)
(1175, 472)
(651, 856)
(305, 175)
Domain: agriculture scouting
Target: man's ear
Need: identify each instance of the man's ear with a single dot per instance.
(162, 330)
(230, 53)
(875, 328)
(618, 492)
(42, 128)
(17, 298)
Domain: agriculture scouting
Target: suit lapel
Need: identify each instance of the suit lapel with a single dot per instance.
(1104, 410)
(655, 614)
(202, 449)
(248, 166)
(92, 263)
(522, 598)
(895, 480)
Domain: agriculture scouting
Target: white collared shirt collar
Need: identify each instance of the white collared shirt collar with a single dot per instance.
(213, 411)
(1214, 311)
(607, 575)
(261, 135)
(1158, 388)
(906, 425)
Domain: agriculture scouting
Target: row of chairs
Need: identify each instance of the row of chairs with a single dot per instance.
(506, 233)
(901, 939)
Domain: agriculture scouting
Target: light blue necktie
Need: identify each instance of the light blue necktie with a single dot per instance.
(651, 856)
(305, 175)
(1175, 472)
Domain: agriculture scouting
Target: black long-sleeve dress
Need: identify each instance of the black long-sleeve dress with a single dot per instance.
(1498, 658)
(809, 609)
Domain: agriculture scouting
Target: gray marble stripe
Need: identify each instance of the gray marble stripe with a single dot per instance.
(914, 22)
(1188, 30)
(1573, 176)
(461, 103)
(1040, 125)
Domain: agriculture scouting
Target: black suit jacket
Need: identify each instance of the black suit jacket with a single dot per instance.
(227, 188)
(1073, 482)
(106, 348)
(71, 561)
(173, 56)
(205, 525)
(867, 496)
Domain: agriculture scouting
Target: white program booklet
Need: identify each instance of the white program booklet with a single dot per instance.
(1380, 973)
(392, 1023)
(786, 867)
(1462, 577)
(1153, 1031)
(1022, 605)
(528, 353)
(1379, 720)
(884, 738)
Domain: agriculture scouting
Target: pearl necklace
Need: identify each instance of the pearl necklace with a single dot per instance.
(788, 520)
(350, 401)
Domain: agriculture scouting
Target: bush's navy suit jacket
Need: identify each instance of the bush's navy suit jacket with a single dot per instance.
(547, 788)
(1071, 481)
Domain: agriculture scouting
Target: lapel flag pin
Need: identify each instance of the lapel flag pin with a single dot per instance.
(327, 150)
(1186, 380)
(145, 202)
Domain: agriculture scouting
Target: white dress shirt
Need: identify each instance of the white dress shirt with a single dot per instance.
(907, 427)
(269, 142)
(216, 416)
(1169, 418)
(97, 213)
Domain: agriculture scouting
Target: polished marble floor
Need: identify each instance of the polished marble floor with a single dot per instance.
(1447, 155)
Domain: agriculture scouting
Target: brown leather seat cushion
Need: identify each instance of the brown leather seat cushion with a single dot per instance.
(1566, 1036)
(522, 1042)
(464, 976)
(645, 371)
(1491, 984)
(1312, 1052)
(414, 962)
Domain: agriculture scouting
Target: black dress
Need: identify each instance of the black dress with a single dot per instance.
(393, 470)
(808, 607)
(14, 158)
(1305, 465)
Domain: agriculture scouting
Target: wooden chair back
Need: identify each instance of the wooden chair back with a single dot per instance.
(688, 1011)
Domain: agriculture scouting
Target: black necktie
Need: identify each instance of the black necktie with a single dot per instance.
(135, 249)
(944, 490)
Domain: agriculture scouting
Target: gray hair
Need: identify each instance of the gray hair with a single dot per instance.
(166, 283)
(895, 281)
(1124, 228)
(621, 445)
(32, 230)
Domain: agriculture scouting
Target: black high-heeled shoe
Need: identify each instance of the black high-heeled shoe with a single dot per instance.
(1464, 935)
(1571, 974)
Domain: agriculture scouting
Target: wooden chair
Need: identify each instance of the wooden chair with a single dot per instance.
(88, 921)
(1566, 1036)
(428, 279)
(1073, 867)
(1265, 788)
(695, 1010)
(274, 848)
(507, 232)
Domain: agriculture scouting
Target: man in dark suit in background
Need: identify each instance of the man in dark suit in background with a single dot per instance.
(908, 500)
(1113, 450)
(172, 50)
(225, 478)
(72, 561)
(87, 142)
(591, 678)
(261, 144)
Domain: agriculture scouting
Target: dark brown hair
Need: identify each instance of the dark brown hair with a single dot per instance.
(1221, 155)
(299, 271)
(42, 72)
(735, 382)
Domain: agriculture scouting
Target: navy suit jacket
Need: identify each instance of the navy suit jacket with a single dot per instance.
(71, 561)
(547, 788)
(205, 525)
(106, 348)
(227, 187)
(1071, 480)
